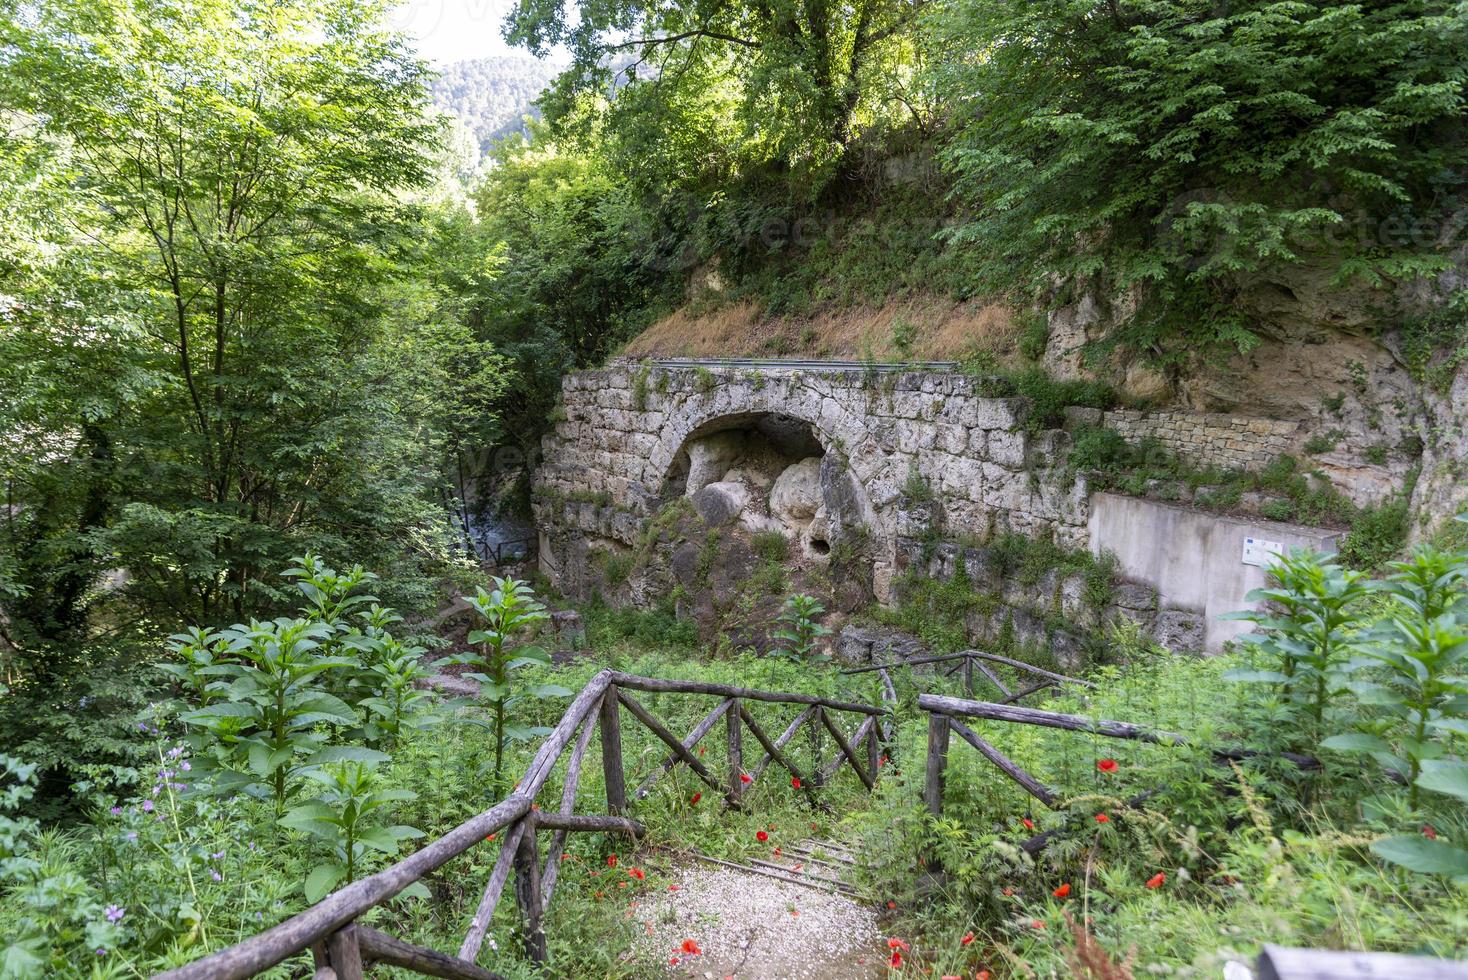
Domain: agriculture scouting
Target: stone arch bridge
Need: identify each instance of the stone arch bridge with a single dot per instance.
(877, 450)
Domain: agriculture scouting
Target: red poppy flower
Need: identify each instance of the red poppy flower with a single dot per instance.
(895, 943)
(1156, 880)
(1429, 831)
(1062, 891)
(761, 836)
(672, 961)
(795, 781)
(672, 888)
(702, 749)
(746, 778)
(1037, 924)
(1107, 765)
(611, 860)
(636, 873)
(600, 894)
(1102, 818)
(691, 948)
(777, 852)
(693, 800)
(968, 937)
(1029, 824)
(489, 837)
(982, 975)
(621, 884)
(896, 960)
(1008, 891)
(891, 905)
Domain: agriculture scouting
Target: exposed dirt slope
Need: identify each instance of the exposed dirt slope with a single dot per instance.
(933, 328)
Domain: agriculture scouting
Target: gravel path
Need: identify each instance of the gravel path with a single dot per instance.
(752, 927)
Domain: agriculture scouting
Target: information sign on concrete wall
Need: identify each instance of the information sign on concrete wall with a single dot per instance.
(1259, 552)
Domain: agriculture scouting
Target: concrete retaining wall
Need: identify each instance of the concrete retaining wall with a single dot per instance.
(1195, 560)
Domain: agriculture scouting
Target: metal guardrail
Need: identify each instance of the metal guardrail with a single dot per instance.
(783, 364)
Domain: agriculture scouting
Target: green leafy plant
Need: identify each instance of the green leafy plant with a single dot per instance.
(799, 629)
(399, 704)
(1307, 634)
(264, 736)
(508, 608)
(347, 817)
(1421, 643)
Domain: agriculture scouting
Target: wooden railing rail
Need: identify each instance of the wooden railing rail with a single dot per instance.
(341, 946)
(943, 719)
(969, 661)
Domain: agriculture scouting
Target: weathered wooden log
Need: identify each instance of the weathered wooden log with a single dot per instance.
(346, 955)
(988, 672)
(1030, 784)
(555, 743)
(295, 934)
(773, 750)
(590, 823)
(609, 720)
(527, 892)
(968, 677)
(569, 789)
(1036, 716)
(914, 662)
(1279, 963)
(672, 742)
(937, 763)
(862, 737)
(785, 736)
(379, 947)
(735, 741)
(874, 753)
(1020, 695)
(324, 973)
(1076, 723)
(498, 877)
(846, 750)
(693, 738)
(889, 698)
(1031, 668)
(660, 686)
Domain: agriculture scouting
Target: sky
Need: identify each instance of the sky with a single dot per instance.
(453, 30)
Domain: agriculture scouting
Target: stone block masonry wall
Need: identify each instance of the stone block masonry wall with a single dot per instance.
(1225, 441)
(606, 466)
(928, 453)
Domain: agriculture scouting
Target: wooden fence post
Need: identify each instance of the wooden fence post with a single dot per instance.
(874, 752)
(937, 762)
(968, 676)
(610, 722)
(345, 954)
(736, 749)
(527, 892)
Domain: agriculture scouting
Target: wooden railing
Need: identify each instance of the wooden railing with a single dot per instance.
(969, 661)
(943, 720)
(341, 946)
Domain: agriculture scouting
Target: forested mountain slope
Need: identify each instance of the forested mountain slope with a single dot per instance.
(493, 95)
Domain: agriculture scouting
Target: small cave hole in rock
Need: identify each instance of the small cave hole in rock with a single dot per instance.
(763, 470)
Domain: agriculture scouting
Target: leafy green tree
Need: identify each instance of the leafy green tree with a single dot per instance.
(795, 74)
(1176, 147)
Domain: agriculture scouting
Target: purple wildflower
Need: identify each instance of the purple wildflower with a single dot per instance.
(115, 913)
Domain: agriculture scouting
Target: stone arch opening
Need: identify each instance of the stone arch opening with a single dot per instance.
(769, 471)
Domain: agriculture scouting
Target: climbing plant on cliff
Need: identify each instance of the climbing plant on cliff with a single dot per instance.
(1179, 146)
